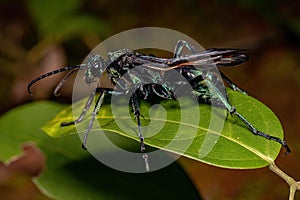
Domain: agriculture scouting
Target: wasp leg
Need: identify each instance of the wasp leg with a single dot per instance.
(85, 109)
(94, 113)
(233, 111)
(231, 84)
(178, 50)
(180, 44)
(97, 107)
(134, 102)
(87, 106)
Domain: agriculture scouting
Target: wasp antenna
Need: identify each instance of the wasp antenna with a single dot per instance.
(62, 82)
(50, 74)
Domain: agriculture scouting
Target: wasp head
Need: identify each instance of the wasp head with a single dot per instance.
(95, 66)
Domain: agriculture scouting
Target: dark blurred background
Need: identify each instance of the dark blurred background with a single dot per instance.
(37, 36)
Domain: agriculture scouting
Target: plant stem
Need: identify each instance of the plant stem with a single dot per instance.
(294, 185)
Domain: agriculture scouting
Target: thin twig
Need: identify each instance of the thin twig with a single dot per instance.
(294, 185)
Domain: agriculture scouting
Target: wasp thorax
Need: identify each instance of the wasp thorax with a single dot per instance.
(94, 68)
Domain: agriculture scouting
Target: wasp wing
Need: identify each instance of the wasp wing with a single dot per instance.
(206, 58)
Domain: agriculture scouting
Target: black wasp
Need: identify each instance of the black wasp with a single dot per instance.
(153, 71)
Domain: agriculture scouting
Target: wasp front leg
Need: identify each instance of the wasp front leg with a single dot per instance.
(85, 109)
(94, 114)
(96, 109)
(87, 105)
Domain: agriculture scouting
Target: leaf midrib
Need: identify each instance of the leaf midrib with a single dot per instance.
(247, 147)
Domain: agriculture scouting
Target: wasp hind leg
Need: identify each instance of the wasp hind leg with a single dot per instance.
(231, 84)
(177, 53)
(180, 44)
(253, 130)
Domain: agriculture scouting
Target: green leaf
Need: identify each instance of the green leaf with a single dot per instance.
(74, 174)
(233, 147)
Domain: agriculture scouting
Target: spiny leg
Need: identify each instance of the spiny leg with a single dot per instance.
(97, 107)
(232, 110)
(94, 114)
(85, 109)
(180, 44)
(134, 102)
(256, 132)
(178, 50)
(231, 84)
(87, 106)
